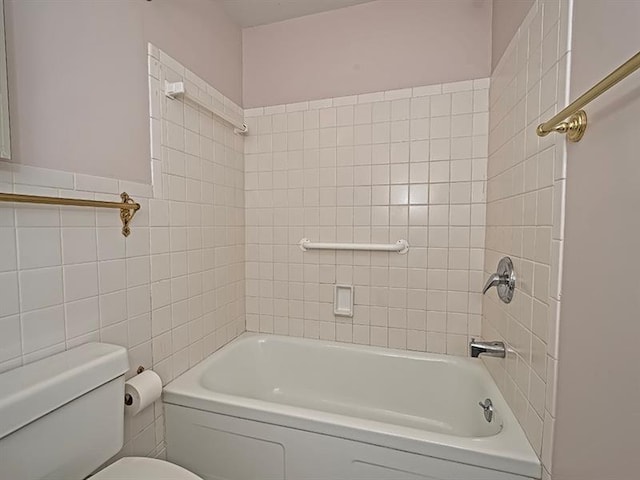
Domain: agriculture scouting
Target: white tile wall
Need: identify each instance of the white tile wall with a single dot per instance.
(370, 168)
(525, 215)
(196, 222)
(56, 288)
(172, 292)
(49, 265)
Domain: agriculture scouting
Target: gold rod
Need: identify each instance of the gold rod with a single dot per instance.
(620, 73)
(127, 207)
(75, 202)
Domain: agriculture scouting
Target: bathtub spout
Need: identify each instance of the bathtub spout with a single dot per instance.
(490, 349)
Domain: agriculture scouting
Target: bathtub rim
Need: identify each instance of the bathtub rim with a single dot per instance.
(507, 451)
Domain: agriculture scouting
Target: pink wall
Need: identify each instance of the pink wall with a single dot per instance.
(77, 76)
(199, 35)
(598, 398)
(507, 15)
(382, 45)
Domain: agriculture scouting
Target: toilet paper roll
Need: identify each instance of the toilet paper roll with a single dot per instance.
(144, 389)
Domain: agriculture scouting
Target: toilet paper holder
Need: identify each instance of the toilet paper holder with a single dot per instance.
(128, 399)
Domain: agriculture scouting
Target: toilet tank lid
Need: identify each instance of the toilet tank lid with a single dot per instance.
(32, 391)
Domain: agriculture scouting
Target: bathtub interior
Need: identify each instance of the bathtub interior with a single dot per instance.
(426, 392)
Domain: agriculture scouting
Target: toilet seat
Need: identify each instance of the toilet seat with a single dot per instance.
(141, 468)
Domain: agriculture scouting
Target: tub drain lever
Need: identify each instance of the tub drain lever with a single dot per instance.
(487, 406)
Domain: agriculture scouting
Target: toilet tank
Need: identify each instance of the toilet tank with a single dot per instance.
(63, 416)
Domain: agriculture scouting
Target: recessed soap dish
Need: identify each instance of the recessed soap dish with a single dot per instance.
(343, 301)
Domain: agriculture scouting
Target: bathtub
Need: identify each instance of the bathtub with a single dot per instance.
(267, 407)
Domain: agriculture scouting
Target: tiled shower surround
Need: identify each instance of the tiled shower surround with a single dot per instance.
(372, 168)
(214, 250)
(172, 292)
(525, 216)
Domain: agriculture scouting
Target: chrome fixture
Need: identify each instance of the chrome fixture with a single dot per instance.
(487, 406)
(504, 280)
(490, 349)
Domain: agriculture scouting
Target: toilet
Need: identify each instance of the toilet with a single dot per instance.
(62, 417)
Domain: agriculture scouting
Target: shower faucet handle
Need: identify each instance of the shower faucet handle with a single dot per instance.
(504, 280)
(493, 281)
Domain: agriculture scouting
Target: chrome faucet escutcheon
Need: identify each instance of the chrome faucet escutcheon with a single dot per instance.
(504, 280)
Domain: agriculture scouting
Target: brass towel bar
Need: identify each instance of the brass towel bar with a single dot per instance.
(127, 207)
(572, 120)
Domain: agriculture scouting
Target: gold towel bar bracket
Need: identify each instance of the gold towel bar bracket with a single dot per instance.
(127, 207)
(127, 214)
(574, 127)
(572, 120)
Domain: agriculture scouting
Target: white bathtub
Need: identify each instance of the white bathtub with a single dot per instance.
(268, 407)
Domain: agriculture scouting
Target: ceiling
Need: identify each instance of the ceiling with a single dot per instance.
(249, 13)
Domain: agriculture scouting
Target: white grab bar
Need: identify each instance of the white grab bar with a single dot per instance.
(401, 246)
(176, 89)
